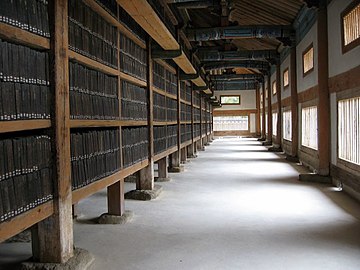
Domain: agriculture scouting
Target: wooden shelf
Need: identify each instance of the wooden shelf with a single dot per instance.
(142, 12)
(92, 63)
(25, 220)
(96, 186)
(165, 153)
(158, 123)
(110, 19)
(185, 102)
(162, 92)
(20, 125)
(196, 106)
(130, 123)
(24, 37)
(203, 136)
(166, 65)
(197, 122)
(172, 123)
(197, 138)
(185, 122)
(184, 144)
(132, 79)
(94, 123)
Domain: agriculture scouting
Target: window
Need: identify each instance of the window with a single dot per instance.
(287, 127)
(348, 130)
(308, 60)
(261, 100)
(226, 123)
(309, 132)
(266, 123)
(230, 100)
(266, 93)
(350, 20)
(274, 87)
(274, 123)
(286, 77)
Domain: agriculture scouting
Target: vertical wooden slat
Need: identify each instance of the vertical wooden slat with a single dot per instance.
(115, 198)
(269, 111)
(54, 239)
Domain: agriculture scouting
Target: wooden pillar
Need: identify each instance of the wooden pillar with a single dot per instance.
(145, 179)
(269, 109)
(115, 198)
(323, 94)
(183, 155)
(258, 131)
(162, 168)
(53, 237)
(174, 160)
(279, 113)
(190, 150)
(294, 104)
(263, 131)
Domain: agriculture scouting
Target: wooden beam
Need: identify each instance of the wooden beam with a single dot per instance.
(20, 125)
(54, 241)
(115, 198)
(142, 12)
(94, 123)
(132, 79)
(26, 220)
(16, 34)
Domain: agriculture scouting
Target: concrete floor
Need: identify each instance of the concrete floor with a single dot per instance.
(236, 206)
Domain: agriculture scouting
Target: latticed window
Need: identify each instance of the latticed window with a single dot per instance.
(229, 123)
(308, 60)
(351, 24)
(274, 87)
(274, 123)
(287, 126)
(286, 77)
(309, 134)
(348, 129)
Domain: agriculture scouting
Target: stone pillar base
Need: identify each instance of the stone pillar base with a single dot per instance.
(267, 143)
(162, 179)
(81, 260)
(144, 195)
(315, 178)
(192, 156)
(275, 149)
(261, 140)
(113, 219)
(292, 159)
(176, 169)
(207, 144)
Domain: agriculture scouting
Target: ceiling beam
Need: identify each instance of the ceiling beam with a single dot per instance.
(236, 77)
(238, 55)
(237, 32)
(240, 85)
(260, 65)
(193, 4)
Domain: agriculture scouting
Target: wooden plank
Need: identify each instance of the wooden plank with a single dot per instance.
(132, 79)
(196, 106)
(94, 123)
(110, 19)
(199, 82)
(185, 144)
(185, 102)
(159, 91)
(94, 187)
(185, 122)
(18, 35)
(92, 63)
(171, 123)
(130, 123)
(165, 153)
(26, 220)
(142, 12)
(184, 63)
(157, 123)
(20, 125)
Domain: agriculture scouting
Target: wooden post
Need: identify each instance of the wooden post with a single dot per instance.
(263, 131)
(294, 104)
(115, 198)
(323, 94)
(162, 168)
(190, 151)
(269, 127)
(53, 237)
(183, 154)
(279, 113)
(258, 132)
(145, 179)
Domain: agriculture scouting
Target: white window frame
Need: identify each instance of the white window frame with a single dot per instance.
(287, 125)
(309, 127)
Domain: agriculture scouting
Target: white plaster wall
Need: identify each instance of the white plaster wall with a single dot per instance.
(284, 65)
(252, 123)
(339, 62)
(333, 119)
(273, 97)
(311, 79)
(247, 100)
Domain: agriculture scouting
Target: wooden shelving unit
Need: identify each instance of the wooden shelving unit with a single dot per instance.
(61, 123)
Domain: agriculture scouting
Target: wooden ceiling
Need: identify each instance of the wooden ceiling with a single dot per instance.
(240, 13)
